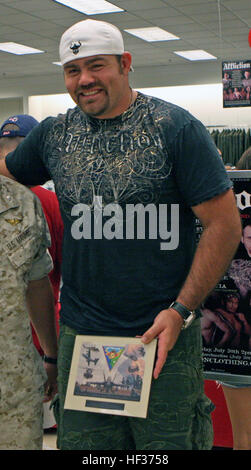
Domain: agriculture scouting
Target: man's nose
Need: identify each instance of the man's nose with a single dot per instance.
(85, 78)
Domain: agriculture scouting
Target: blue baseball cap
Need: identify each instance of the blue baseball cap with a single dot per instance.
(24, 122)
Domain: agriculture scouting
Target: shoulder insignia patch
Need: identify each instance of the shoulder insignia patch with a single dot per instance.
(13, 221)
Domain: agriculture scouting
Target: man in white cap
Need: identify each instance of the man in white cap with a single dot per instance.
(103, 90)
(131, 173)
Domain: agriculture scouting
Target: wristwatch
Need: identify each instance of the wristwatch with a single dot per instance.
(187, 315)
(50, 360)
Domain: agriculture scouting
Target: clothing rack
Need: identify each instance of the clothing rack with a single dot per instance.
(231, 142)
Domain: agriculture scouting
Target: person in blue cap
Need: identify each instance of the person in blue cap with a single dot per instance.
(14, 129)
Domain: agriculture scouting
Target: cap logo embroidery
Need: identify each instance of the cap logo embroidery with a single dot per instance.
(75, 47)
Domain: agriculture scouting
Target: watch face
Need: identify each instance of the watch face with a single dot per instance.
(189, 320)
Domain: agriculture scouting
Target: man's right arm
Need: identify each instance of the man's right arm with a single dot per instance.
(4, 170)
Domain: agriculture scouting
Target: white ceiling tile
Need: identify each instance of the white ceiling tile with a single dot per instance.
(138, 5)
(236, 5)
(199, 8)
(15, 18)
(172, 22)
(30, 6)
(155, 13)
(198, 3)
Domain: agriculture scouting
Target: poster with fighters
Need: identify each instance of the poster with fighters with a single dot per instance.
(236, 81)
(110, 375)
(226, 313)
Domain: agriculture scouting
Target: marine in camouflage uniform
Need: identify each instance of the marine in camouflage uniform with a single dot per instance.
(24, 239)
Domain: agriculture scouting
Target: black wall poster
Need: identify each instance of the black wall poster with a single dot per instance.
(226, 313)
(236, 81)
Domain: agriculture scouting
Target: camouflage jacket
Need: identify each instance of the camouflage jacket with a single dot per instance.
(24, 238)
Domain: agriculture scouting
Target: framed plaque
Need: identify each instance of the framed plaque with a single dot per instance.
(110, 375)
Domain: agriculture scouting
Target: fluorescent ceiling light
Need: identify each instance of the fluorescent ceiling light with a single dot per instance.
(196, 55)
(90, 7)
(18, 49)
(152, 34)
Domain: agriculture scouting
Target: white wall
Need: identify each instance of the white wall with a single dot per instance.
(10, 107)
(43, 106)
(203, 101)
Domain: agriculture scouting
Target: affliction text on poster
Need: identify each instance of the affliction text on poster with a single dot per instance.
(236, 81)
(226, 319)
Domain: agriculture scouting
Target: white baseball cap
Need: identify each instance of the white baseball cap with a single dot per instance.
(90, 37)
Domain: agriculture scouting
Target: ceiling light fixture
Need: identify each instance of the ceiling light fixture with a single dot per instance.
(198, 54)
(18, 49)
(90, 7)
(152, 34)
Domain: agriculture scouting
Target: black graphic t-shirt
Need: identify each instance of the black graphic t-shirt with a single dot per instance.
(125, 188)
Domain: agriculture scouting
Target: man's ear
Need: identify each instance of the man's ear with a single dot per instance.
(126, 61)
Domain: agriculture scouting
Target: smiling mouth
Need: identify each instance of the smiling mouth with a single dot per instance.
(87, 94)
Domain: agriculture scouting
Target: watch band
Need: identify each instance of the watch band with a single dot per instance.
(50, 360)
(187, 315)
(183, 311)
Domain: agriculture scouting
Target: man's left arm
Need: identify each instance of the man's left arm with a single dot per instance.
(219, 241)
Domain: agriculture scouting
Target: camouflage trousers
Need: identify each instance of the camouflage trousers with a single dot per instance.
(178, 414)
(21, 425)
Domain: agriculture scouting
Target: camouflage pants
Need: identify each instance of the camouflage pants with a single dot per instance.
(178, 414)
(21, 426)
